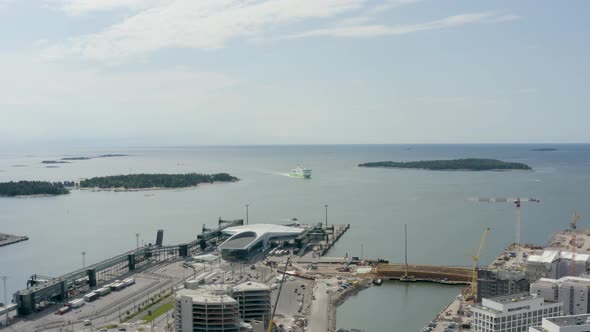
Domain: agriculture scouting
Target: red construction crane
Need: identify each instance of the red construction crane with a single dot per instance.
(517, 201)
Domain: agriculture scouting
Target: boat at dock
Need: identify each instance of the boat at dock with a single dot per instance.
(378, 282)
(300, 172)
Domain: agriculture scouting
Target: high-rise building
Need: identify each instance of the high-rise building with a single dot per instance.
(573, 292)
(253, 301)
(205, 309)
(575, 323)
(508, 313)
(491, 283)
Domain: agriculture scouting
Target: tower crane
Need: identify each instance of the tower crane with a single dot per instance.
(271, 322)
(517, 201)
(476, 262)
(575, 220)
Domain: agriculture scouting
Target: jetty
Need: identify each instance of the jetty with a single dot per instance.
(8, 239)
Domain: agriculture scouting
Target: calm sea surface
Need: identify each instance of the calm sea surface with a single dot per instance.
(443, 226)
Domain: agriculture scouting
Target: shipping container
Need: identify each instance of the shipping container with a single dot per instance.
(118, 287)
(91, 296)
(63, 310)
(103, 291)
(128, 282)
(76, 303)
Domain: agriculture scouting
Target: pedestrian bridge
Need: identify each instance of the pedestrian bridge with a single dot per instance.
(430, 273)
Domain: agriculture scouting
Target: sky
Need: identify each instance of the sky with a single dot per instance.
(235, 72)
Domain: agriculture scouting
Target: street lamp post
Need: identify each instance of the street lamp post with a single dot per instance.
(83, 259)
(326, 206)
(362, 252)
(247, 205)
(5, 304)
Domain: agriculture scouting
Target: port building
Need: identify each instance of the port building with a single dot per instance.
(247, 240)
(574, 323)
(555, 264)
(253, 301)
(516, 312)
(573, 292)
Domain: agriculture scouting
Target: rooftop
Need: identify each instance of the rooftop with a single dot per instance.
(207, 294)
(551, 255)
(250, 286)
(512, 298)
(570, 320)
(567, 279)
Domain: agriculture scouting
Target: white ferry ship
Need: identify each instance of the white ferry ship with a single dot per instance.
(300, 172)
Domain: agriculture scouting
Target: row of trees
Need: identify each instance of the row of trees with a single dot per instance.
(27, 188)
(140, 181)
(473, 164)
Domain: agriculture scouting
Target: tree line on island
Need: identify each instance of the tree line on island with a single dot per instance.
(131, 181)
(472, 164)
(142, 181)
(28, 188)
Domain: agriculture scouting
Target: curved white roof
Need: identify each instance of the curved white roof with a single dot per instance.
(241, 240)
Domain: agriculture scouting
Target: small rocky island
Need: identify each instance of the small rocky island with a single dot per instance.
(469, 164)
(154, 181)
(34, 188)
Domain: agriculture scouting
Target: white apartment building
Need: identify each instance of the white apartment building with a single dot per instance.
(573, 292)
(574, 323)
(512, 313)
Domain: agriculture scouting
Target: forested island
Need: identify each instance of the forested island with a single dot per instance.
(470, 164)
(147, 181)
(29, 188)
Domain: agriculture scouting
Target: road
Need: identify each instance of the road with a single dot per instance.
(319, 318)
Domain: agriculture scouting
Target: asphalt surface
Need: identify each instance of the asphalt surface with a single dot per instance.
(319, 318)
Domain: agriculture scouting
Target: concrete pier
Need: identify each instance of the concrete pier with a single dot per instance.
(7, 239)
(338, 231)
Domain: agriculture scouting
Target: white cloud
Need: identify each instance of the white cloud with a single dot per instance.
(202, 24)
(25, 81)
(82, 7)
(386, 5)
(378, 30)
